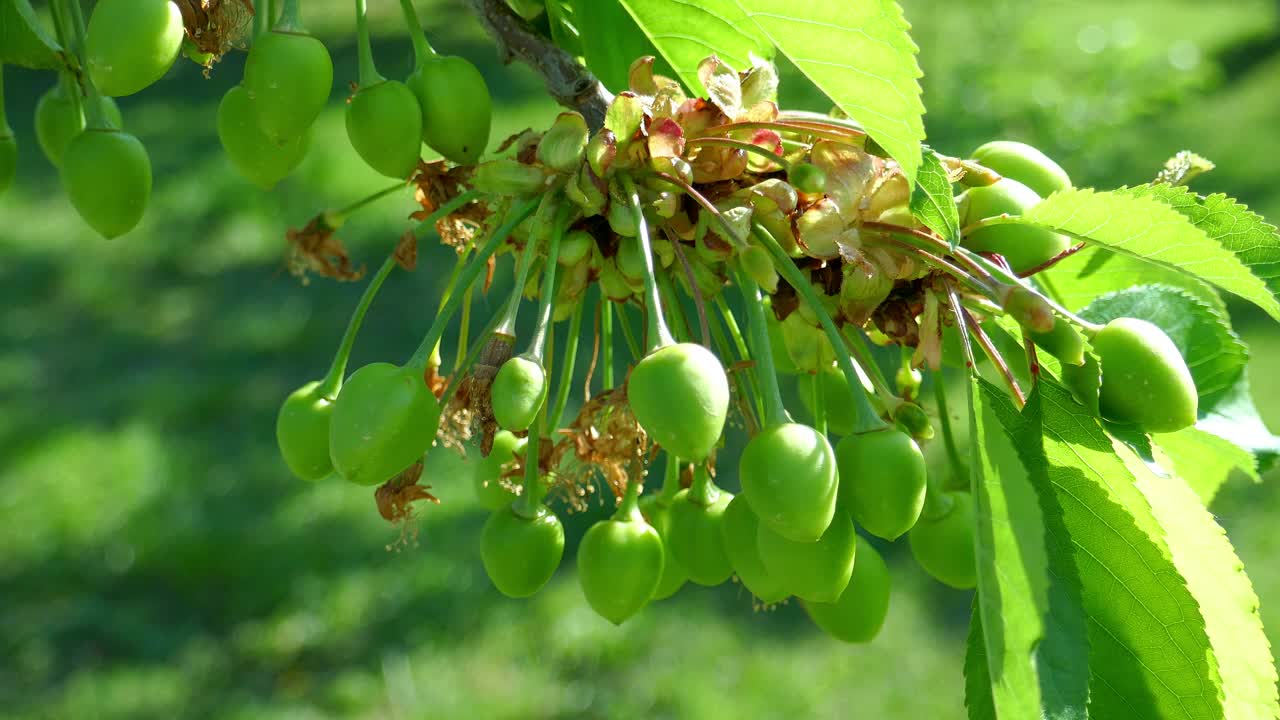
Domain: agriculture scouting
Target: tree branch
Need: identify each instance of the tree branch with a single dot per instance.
(571, 84)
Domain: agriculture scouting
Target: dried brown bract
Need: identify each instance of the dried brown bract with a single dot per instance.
(605, 440)
(395, 500)
(316, 249)
(436, 183)
(216, 26)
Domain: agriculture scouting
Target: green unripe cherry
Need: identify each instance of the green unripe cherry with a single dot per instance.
(288, 76)
(1025, 164)
(788, 473)
(58, 120)
(619, 565)
(813, 571)
(1145, 381)
(302, 432)
(131, 43)
(1063, 342)
(520, 554)
(882, 481)
(943, 545)
(1023, 246)
(384, 420)
(107, 176)
(696, 540)
(680, 396)
(384, 125)
(674, 576)
(456, 107)
(860, 612)
(490, 491)
(518, 392)
(740, 528)
(261, 160)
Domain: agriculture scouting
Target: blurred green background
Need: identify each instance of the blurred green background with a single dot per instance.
(158, 561)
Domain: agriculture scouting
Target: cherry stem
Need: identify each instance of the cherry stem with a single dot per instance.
(996, 358)
(629, 507)
(332, 381)
(1002, 274)
(703, 491)
(698, 302)
(826, 132)
(261, 17)
(754, 402)
(670, 481)
(819, 404)
(66, 76)
(450, 284)
(464, 331)
(422, 50)
(624, 323)
(364, 50)
(531, 498)
(944, 419)
(658, 336)
(866, 419)
(775, 412)
(290, 17)
(743, 146)
(546, 308)
(1053, 260)
(566, 373)
(606, 342)
(677, 317)
(512, 308)
(337, 217)
(474, 268)
(95, 113)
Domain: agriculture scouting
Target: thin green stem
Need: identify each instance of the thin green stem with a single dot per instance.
(748, 391)
(66, 78)
(775, 413)
(672, 306)
(332, 381)
(450, 284)
(606, 342)
(944, 417)
(629, 507)
(670, 481)
(866, 419)
(364, 49)
(261, 17)
(95, 114)
(548, 295)
(512, 308)
(337, 217)
(936, 502)
(566, 373)
(290, 17)
(799, 127)
(743, 146)
(422, 50)
(744, 355)
(465, 330)
(657, 333)
(819, 405)
(624, 322)
(863, 359)
(531, 498)
(703, 491)
(474, 268)
(1007, 276)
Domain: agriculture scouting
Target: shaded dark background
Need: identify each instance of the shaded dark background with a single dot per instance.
(158, 561)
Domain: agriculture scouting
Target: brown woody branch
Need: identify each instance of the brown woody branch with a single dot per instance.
(571, 84)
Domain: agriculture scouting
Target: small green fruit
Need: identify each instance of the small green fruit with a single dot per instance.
(788, 474)
(680, 396)
(619, 566)
(1025, 164)
(1145, 381)
(813, 571)
(696, 540)
(943, 545)
(58, 121)
(131, 43)
(490, 491)
(673, 574)
(289, 76)
(740, 528)
(302, 432)
(1023, 246)
(261, 160)
(107, 176)
(882, 481)
(520, 554)
(518, 392)
(384, 125)
(456, 107)
(384, 420)
(860, 612)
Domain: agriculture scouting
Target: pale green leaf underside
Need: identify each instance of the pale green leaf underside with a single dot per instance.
(1013, 569)
(1216, 577)
(861, 55)
(1151, 230)
(1149, 652)
(932, 200)
(686, 31)
(1205, 461)
(1214, 353)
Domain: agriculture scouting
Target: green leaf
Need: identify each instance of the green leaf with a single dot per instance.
(611, 41)
(1149, 652)
(685, 33)
(1205, 461)
(1214, 353)
(1061, 657)
(23, 40)
(1013, 568)
(564, 32)
(932, 200)
(1077, 280)
(1234, 226)
(861, 55)
(1204, 556)
(1150, 230)
(977, 679)
(1236, 418)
